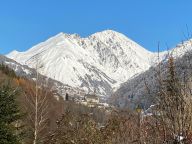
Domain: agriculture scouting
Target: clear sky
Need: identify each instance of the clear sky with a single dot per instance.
(24, 23)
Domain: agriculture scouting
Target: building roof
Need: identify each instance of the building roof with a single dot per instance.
(92, 96)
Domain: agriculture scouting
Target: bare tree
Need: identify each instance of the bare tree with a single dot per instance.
(173, 109)
(37, 108)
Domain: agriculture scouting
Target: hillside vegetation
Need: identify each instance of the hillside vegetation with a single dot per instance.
(44, 117)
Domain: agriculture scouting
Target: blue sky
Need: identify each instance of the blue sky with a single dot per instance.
(24, 23)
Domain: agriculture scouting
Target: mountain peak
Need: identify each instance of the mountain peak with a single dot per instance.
(102, 60)
(107, 33)
(12, 54)
(63, 35)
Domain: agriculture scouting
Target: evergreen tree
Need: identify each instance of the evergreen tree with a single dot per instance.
(9, 116)
(67, 97)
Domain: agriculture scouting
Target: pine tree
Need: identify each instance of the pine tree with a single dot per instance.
(9, 116)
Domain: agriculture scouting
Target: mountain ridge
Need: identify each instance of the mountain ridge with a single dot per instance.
(134, 91)
(99, 62)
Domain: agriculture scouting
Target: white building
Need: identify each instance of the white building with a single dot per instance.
(92, 98)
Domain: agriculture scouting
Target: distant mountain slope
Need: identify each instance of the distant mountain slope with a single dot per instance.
(100, 62)
(134, 90)
(30, 73)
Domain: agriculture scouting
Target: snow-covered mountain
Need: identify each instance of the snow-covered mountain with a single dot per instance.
(134, 91)
(25, 72)
(100, 62)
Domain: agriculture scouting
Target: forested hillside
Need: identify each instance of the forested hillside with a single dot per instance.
(32, 114)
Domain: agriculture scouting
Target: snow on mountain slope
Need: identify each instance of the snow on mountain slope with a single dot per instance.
(134, 91)
(31, 74)
(98, 63)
